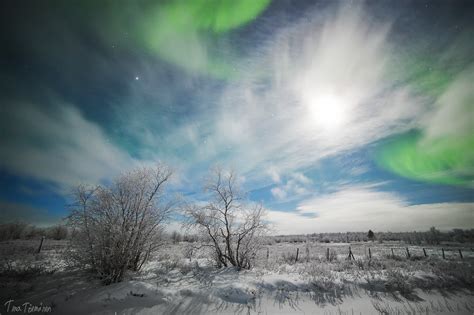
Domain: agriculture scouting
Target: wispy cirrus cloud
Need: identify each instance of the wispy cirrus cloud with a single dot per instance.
(58, 145)
(319, 88)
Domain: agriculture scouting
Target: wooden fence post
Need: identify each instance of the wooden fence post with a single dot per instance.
(424, 252)
(297, 253)
(327, 254)
(393, 255)
(41, 244)
(370, 254)
(460, 254)
(268, 253)
(442, 249)
(408, 253)
(350, 254)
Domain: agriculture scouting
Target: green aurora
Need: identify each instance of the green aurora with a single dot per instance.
(445, 161)
(446, 158)
(175, 31)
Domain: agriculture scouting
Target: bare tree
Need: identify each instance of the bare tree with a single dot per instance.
(434, 236)
(117, 228)
(371, 235)
(231, 225)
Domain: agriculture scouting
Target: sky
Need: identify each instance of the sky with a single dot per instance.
(337, 115)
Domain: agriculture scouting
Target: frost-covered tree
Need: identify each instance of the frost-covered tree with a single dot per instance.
(118, 227)
(371, 235)
(231, 225)
(434, 236)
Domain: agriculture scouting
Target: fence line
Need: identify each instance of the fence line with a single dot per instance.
(378, 251)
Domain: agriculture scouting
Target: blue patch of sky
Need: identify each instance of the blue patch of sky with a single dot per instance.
(31, 192)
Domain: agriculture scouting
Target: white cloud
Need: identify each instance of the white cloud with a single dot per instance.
(360, 208)
(301, 178)
(59, 145)
(278, 193)
(296, 186)
(274, 174)
(451, 116)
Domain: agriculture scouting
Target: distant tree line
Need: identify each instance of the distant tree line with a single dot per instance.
(24, 231)
(431, 237)
(177, 237)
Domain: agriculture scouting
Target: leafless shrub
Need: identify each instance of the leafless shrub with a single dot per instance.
(231, 226)
(288, 258)
(13, 231)
(399, 281)
(57, 232)
(117, 228)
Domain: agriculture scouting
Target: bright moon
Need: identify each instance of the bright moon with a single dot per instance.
(328, 111)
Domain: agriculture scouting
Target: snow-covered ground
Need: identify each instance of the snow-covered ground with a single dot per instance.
(175, 282)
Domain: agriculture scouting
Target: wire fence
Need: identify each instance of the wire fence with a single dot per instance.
(352, 252)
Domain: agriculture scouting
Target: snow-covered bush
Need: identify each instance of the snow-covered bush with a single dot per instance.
(117, 228)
